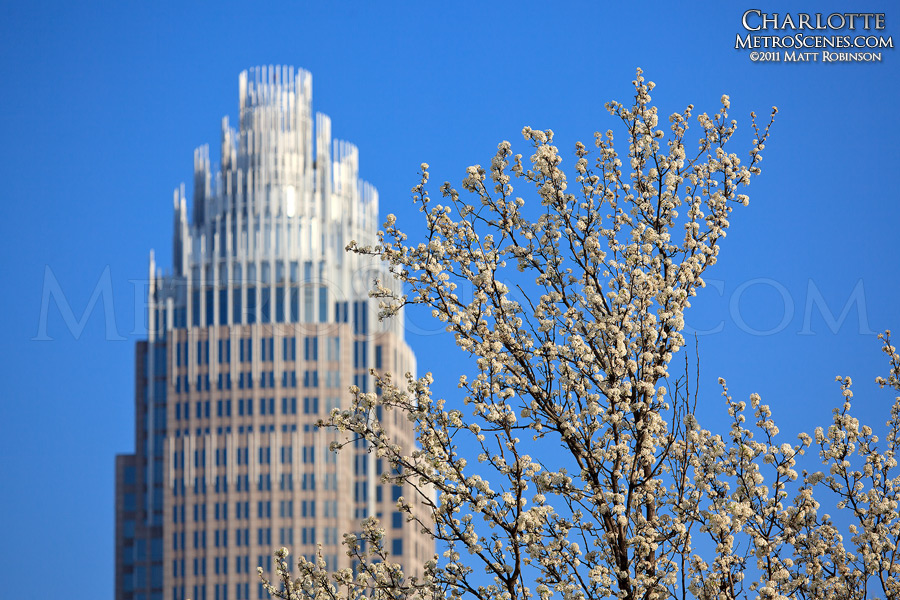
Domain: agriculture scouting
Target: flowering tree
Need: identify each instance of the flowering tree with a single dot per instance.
(574, 317)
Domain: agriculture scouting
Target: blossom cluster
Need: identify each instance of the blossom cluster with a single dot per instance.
(573, 312)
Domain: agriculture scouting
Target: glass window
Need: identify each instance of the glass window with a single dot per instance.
(223, 307)
(236, 303)
(251, 306)
(129, 475)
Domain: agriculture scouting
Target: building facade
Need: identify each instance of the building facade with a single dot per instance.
(255, 334)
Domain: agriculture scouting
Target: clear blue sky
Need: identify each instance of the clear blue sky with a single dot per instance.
(103, 105)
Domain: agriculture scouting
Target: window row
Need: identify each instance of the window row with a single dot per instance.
(245, 350)
(307, 535)
(246, 382)
(244, 407)
(261, 307)
(241, 483)
(241, 590)
(241, 429)
(242, 456)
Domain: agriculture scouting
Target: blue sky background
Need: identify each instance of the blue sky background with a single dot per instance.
(102, 106)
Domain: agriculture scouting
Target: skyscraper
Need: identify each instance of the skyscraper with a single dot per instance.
(256, 333)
